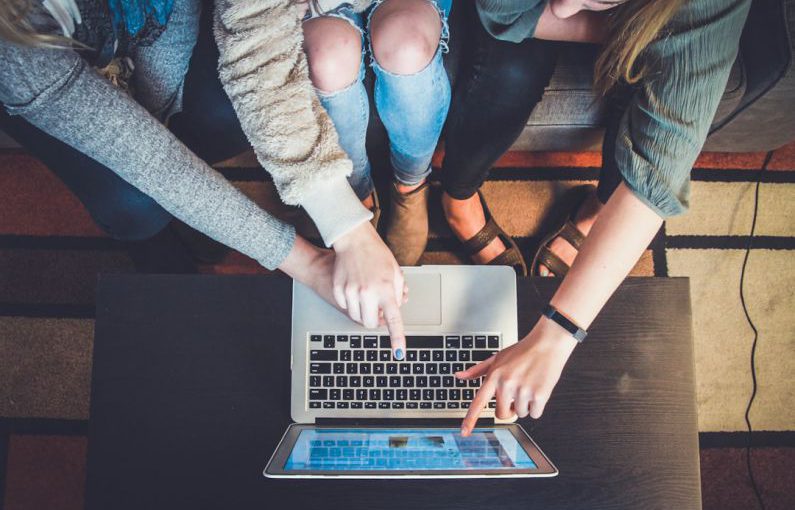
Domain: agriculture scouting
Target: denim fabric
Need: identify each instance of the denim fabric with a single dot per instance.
(413, 108)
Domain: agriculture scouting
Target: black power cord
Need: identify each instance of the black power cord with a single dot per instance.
(756, 337)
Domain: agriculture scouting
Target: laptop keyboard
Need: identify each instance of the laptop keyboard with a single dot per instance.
(359, 372)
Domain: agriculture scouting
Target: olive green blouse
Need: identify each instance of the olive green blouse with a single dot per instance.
(668, 119)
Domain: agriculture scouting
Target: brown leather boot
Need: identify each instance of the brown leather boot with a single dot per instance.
(407, 227)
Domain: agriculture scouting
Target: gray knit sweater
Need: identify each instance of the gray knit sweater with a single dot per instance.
(264, 71)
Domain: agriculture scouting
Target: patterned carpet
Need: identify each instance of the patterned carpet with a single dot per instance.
(50, 253)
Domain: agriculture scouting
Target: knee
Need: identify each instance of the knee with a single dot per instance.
(131, 216)
(405, 35)
(334, 51)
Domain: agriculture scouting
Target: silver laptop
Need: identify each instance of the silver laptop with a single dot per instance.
(360, 413)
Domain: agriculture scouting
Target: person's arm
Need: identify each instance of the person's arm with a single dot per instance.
(517, 20)
(585, 27)
(264, 71)
(660, 136)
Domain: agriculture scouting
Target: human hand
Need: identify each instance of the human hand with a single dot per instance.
(522, 376)
(312, 266)
(369, 284)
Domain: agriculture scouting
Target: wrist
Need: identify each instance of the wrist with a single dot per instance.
(553, 336)
(354, 237)
(302, 258)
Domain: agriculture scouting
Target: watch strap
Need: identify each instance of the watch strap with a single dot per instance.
(561, 320)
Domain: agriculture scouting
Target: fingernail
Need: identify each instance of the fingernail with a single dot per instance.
(543, 271)
(399, 354)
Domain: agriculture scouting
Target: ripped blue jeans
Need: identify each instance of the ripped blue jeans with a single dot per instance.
(412, 107)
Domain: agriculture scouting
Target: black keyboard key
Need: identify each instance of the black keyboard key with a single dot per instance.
(458, 367)
(453, 405)
(342, 338)
(339, 368)
(405, 368)
(391, 368)
(358, 355)
(425, 405)
(334, 394)
(342, 405)
(385, 355)
(342, 381)
(445, 368)
(492, 405)
(381, 381)
(452, 342)
(383, 405)
(425, 355)
(439, 405)
(494, 342)
(320, 368)
(351, 368)
(384, 342)
(460, 383)
(424, 342)
(409, 405)
(328, 405)
(315, 338)
(418, 368)
(361, 394)
(437, 355)
(375, 394)
(402, 394)
(431, 368)
(394, 381)
(355, 381)
(455, 394)
(378, 368)
(427, 394)
(435, 381)
(468, 394)
(408, 382)
(467, 342)
(448, 381)
(314, 380)
(389, 394)
(318, 394)
(356, 405)
(314, 405)
(463, 356)
(415, 394)
(474, 383)
(356, 342)
(345, 355)
(397, 405)
(365, 368)
(465, 405)
(368, 381)
(422, 381)
(347, 394)
(369, 405)
(480, 342)
(480, 355)
(450, 356)
(370, 342)
(411, 355)
(328, 381)
(372, 356)
(328, 341)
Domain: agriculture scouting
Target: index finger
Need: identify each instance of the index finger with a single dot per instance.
(394, 323)
(484, 395)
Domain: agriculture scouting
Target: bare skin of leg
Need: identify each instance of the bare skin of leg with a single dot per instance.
(583, 220)
(466, 218)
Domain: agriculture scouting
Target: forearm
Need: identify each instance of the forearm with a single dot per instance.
(585, 27)
(621, 233)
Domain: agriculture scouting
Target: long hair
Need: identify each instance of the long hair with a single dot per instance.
(15, 27)
(632, 27)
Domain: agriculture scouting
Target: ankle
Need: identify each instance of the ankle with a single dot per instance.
(407, 188)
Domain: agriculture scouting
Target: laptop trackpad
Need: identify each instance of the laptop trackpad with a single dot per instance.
(424, 307)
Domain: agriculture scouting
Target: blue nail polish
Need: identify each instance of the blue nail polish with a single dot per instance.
(399, 354)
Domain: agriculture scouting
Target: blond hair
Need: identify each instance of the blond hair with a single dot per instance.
(632, 27)
(15, 27)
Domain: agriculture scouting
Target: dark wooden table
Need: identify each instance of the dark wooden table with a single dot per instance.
(190, 395)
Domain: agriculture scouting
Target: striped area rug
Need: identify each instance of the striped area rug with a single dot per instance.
(50, 253)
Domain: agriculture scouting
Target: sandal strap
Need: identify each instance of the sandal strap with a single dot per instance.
(572, 235)
(554, 263)
(482, 239)
(510, 257)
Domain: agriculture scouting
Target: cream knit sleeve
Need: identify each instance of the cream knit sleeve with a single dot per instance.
(264, 71)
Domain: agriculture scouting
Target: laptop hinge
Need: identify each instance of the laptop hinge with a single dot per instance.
(399, 422)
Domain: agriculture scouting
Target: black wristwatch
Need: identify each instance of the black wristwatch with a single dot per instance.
(552, 314)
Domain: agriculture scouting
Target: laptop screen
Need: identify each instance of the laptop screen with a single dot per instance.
(407, 450)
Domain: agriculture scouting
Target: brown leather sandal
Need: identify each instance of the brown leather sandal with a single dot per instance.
(512, 256)
(565, 228)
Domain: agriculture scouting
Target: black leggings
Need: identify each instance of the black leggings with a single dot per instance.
(498, 86)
